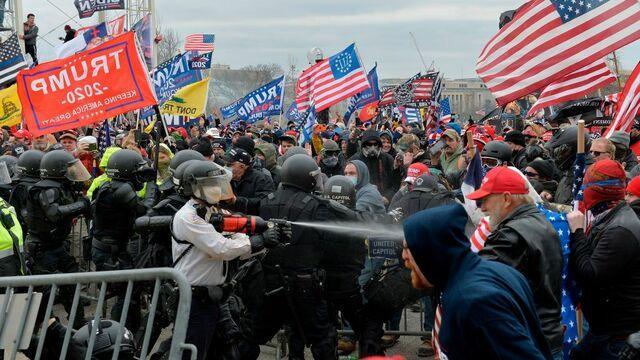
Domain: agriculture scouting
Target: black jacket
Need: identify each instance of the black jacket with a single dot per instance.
(526, 241)
(520, 159)
(253, 187)
(606, 263)
(382, 173)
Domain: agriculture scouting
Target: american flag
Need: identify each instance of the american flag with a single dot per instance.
(199, 42)
(628, 105)
(104, 137)
(422, 88)
(11, 60)
(445, 111)
(331, 80)
(387, 98)
(548, 39)
(574, 85)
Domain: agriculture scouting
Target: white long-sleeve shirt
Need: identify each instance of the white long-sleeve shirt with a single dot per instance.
(203, 265)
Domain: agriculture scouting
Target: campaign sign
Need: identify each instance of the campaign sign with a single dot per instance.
(262, 102)
(173, 75)
(85, 88)
(200, 62)
(86, 8)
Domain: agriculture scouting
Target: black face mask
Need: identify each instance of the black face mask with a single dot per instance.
(258, 163)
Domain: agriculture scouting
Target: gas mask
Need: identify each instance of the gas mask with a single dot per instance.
(371, 151)
(330, 161)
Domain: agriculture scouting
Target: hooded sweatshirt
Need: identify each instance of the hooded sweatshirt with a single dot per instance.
(368, 197)
(487, 307)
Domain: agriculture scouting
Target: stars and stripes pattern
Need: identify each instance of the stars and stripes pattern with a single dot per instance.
(578, 169)
(331, 80)
(11, 60)
(387, 99)
(422, 88)
(199, 42)
(628, 105)
(574, 85)
(104, 137)
(445, 111)
(548, 39)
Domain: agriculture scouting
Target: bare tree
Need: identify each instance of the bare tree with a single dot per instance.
(169, 46)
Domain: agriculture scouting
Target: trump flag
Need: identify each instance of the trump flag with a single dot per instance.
(85, 88)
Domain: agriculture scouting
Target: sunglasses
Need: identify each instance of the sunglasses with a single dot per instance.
(530, 174)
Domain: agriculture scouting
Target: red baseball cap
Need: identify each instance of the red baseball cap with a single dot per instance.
(500, 180)
(415, 170)
(633, 187)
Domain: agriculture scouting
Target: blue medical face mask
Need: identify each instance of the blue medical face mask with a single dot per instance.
(353, 179)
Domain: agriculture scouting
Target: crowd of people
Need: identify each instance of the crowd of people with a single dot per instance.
(489, 264)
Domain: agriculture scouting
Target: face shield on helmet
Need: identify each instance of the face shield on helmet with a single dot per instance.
(5, 176)
(76, 172)
(317, 175)
(214, 189)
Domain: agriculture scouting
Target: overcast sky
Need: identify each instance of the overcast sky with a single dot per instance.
(450, 32)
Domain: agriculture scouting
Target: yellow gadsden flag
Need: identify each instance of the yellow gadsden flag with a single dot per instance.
(10, 107)
(188, 101)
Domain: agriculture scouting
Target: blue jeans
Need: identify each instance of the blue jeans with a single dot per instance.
(601, 347)
(429, 313)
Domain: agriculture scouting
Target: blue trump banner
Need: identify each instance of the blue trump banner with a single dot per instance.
(172, 75)
(200, 62)
(366, 97)
(293, 114)
(230, 110)
(258, 104)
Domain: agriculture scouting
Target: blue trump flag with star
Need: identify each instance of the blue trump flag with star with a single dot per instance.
(293, 114)
(360, 100)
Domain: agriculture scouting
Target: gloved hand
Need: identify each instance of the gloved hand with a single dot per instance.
(257, 243)
(87, 204)
(285, 232)
(396, 214)
(271, 237)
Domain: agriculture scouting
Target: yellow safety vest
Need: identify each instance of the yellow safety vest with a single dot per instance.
(9, 223)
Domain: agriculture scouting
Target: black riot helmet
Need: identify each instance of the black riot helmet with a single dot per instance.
(302, 172)
(207, 181)
(10, 161)
(563, 146)
(61, 165)
(342, 190)
(106, 336)
(177, 176)
(29, 164)
(128, 165)
(182, 156)
(499, 150)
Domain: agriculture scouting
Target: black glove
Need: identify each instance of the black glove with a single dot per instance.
(257, 243)
(271, 237)
(285, 232)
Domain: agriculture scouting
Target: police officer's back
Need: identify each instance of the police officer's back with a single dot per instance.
(28, 173)
(52, 205)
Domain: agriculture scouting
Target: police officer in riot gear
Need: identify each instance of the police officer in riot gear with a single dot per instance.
(115, 208)
(6, 184)
(53, 203)
(293, 274)
(201, 252)
(28, 173)
(157, 252)
(341, 286)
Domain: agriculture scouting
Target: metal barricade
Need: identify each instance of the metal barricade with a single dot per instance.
(9, 284)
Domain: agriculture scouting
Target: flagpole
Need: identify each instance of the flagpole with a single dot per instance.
(284, 84)
(418, 50)
(615, 62)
